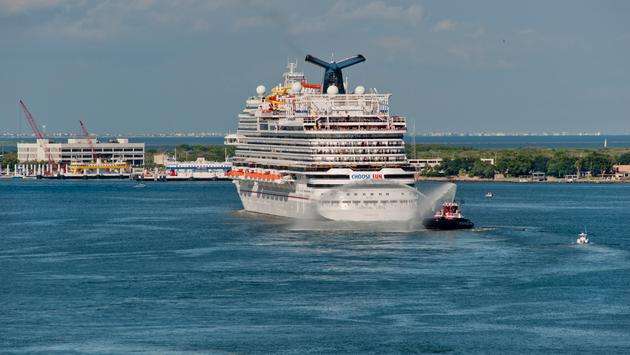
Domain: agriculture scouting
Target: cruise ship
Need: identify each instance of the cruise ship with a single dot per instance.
(323, 151)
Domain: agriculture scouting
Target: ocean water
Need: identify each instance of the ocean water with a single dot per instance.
(101, 266)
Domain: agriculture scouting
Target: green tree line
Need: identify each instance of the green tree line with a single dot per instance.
(521, 162)
(209, 152)
(8, 159)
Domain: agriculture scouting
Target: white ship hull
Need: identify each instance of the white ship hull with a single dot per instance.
(358, 202)
(275, 199)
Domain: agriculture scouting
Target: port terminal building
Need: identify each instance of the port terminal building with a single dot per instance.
(82, 150)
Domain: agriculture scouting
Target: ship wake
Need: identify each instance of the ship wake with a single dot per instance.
(428, 202)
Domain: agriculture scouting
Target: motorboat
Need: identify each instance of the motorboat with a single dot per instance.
(582, 238)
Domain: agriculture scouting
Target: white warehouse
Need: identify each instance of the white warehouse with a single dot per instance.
(79, 150)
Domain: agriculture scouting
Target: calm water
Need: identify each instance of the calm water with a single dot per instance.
(102, 266)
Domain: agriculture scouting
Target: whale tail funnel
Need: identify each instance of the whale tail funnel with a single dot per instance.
(332, 70)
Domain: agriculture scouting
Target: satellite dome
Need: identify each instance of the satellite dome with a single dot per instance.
(296, 87)
(359, 90)
(332, 90)
(260, 90)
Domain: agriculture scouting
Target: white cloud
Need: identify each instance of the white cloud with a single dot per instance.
(504, 63)
(378, 11)
(445, 25)
(114, 19)
(478, 32)
(479, 55)
(12, 7)
(99, 22)
(394, 43)
(340, 14)
(103, 20)
(303, 26)
(526, 31)
(244, 23)
(460, 51)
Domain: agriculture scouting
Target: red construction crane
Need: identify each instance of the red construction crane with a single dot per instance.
(38, 134)
(87, 135)
(31, 121)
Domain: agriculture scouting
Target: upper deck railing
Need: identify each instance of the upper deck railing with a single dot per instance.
(317, 105)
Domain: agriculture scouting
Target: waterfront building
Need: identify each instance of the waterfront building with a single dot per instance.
(160, 159)
(424, 163)
(82, 150)
(621, 171)
(198, 169)
(539, 176)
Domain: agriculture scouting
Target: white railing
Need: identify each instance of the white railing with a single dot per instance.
(340, 105)
(330, 105)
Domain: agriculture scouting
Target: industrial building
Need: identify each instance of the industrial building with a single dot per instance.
(82, 150)
(425, 163)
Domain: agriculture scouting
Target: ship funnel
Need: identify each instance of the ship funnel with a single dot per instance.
(332, 71)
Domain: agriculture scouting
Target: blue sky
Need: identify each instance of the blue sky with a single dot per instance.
(188, 65)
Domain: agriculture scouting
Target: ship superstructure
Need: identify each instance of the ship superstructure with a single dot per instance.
(313, 150)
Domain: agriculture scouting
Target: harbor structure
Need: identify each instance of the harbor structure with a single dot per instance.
(169, 169)
(82, 150)
(200, 169)
(82, 155)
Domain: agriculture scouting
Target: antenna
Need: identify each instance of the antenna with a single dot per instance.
(415, 150)
(17, 120)
(332, 70)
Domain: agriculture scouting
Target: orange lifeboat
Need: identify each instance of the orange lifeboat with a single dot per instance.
(311, 85)
(254, 175)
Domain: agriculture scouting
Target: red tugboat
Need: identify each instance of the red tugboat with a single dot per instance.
(448, 218)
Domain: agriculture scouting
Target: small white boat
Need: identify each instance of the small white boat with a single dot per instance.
(582, 238)
(489, 195)
(139, 185)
